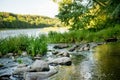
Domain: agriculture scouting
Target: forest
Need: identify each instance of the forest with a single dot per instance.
(10, 20)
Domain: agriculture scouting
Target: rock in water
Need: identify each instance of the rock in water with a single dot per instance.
(39, 75)
(111, 40)
(61, 46)
(61, 61)
(63, 54)
(40, 65)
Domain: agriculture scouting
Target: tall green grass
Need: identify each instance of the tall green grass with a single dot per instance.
(14, 44)
(32, 45)
(37, 45)
(84, 35)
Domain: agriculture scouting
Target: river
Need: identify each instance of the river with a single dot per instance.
(102, 63)
(30, 32)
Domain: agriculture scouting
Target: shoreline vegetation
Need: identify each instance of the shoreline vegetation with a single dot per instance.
(17, 21)
(34, 46)
(95, 24)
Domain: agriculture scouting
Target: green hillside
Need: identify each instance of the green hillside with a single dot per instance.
(10, 20)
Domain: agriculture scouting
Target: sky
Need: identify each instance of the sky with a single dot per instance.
(34, 7)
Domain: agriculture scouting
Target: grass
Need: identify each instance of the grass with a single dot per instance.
(38, 45)
(84, 35)
(32, 45)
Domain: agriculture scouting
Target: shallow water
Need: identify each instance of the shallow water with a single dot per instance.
(101, 64)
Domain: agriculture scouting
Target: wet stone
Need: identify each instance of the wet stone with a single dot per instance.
(61, 46)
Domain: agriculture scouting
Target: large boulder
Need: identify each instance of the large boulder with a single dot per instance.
(39, 65)
(39, 75)
(61, 61)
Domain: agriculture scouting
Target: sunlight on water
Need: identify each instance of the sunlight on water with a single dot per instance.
(102, 64)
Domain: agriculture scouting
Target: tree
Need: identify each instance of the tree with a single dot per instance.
(10, 20)
(84, 14)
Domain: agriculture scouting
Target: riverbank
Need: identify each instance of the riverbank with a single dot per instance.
(37, 45)
(65, 61)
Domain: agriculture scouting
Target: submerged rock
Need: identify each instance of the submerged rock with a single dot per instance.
(61, 61)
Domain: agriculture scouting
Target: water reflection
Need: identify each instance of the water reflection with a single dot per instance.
(108, 61)
(103, 64)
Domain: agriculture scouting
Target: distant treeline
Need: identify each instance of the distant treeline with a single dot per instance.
(10, 20)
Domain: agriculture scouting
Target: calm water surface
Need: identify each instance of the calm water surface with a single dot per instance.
(30, 32)
(101, 64)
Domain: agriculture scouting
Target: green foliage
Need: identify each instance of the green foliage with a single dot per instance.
(70, 12)
(37, 45)
(21, 43)
(9, 20)
(97, 14)
(13, 44)
(77, 36)
(19, 61)
(70, 37)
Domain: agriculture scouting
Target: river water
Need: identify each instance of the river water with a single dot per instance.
(102, 63)
(30, 32)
